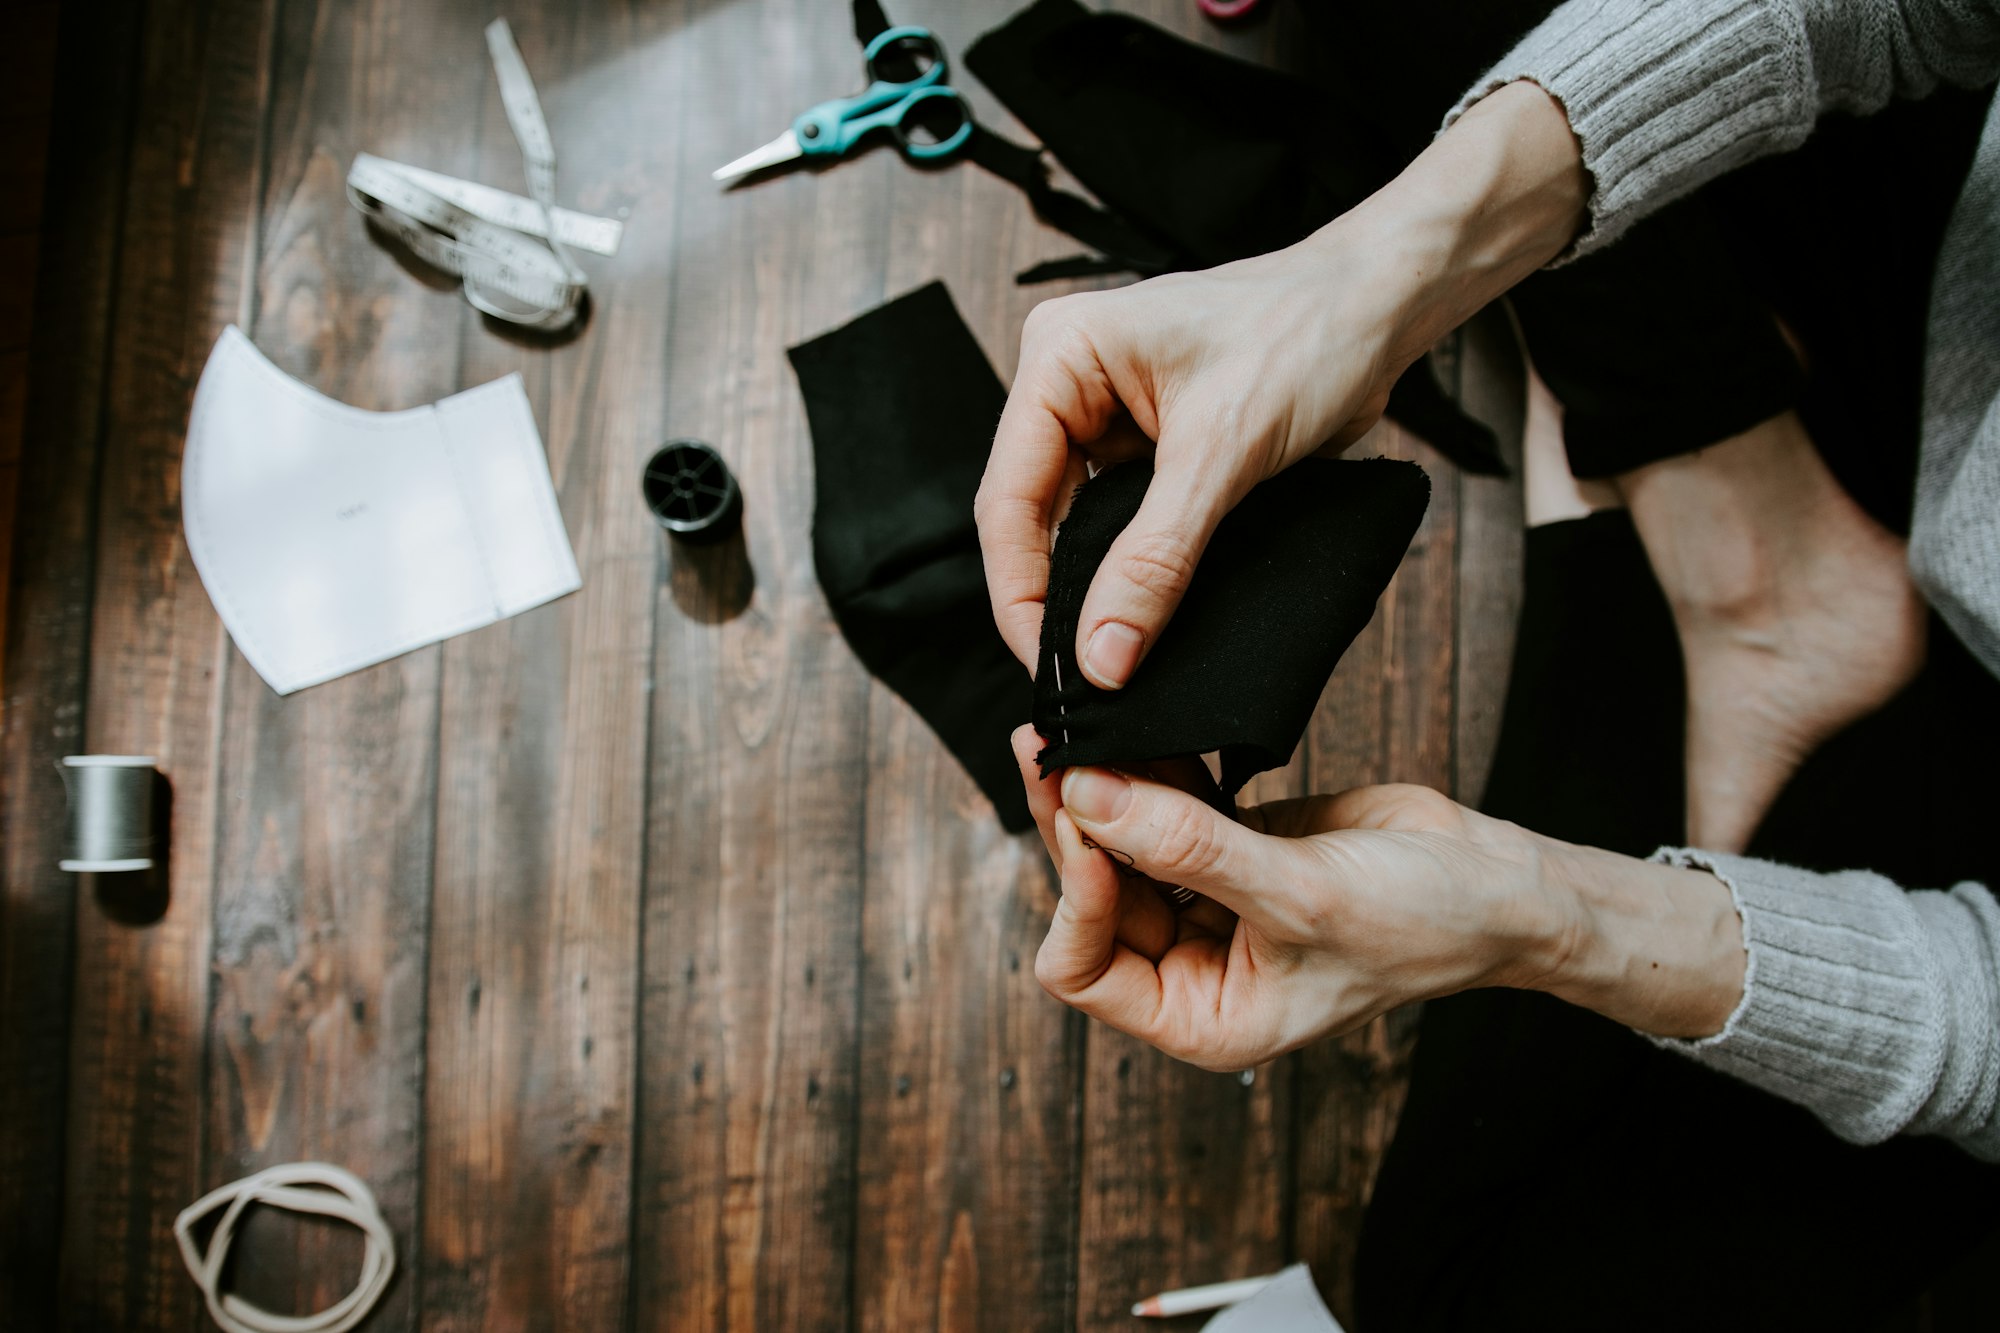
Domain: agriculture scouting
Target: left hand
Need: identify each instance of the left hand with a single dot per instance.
(1319, 914)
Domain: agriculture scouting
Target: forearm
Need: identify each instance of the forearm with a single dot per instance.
(1489, 202)
(1874, 1008)
(1655, 947)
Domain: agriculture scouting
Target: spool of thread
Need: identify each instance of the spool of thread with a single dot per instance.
(690, 490)
(110, 812)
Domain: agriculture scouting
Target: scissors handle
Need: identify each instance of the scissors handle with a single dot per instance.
(832, 128)
(915, 42)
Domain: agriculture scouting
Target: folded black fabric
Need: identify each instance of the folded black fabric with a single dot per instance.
(1216, 158)
(1290, 577)
(1125, 248)
(902, 406)
(1219, 157)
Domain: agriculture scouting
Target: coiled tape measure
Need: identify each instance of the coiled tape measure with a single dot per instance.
(512, 255)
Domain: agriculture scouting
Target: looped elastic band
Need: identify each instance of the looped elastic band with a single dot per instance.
(299, 1187)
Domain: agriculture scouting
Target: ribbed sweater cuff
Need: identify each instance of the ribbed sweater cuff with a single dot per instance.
(1664, 95)
(1842, 1007)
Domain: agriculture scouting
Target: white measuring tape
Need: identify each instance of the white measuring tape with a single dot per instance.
(511, 254)
(339, 1194)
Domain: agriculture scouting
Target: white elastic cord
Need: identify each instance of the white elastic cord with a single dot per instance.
(333, 1193)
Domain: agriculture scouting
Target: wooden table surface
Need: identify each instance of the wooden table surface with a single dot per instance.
(655, 965)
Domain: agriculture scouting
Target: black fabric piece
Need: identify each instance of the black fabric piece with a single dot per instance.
(1125, 248)
(1218, 157)
(1291, 576)
(1213, 157)
(1075, 266)
(870, 21)
(902, 406)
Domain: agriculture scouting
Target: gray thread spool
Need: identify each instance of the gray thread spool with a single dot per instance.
(110, 812)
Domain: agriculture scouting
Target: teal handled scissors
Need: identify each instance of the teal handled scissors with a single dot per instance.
(832, 128)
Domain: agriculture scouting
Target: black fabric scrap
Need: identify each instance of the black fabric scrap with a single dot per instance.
(1125, 247)
(1215, 158)
(1291, 576)
(902, 406)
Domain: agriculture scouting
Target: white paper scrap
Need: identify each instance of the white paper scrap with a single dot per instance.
(1290, 1304)
(332, 538)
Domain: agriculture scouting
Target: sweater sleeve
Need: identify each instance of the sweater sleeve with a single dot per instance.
(1666, 95)
(1876, 1009)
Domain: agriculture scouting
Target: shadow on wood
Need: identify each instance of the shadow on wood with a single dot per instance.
(140, 897)
(711, 584)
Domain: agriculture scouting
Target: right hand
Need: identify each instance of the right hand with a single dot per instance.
(1228, 376)
(1225, 377)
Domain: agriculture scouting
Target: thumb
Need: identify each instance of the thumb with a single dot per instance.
(1177, 838)
(1144, 576)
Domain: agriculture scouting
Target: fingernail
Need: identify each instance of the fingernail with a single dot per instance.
(1095, 796)
(1113, 654)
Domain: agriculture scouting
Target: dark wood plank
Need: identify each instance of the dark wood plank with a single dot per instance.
(1386, 717)
(970, 1074)
(27, 88)
(1490, 382)
(52, 546)
(136, 1074)
(534, 973)
(13, 425)
(18, 261)
(1417, 699)
(760, 722)
(324, 842)
(844, 1100)
(1186, 1176)
(28, 60)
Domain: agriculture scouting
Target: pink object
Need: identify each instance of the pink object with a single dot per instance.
(1226, 10)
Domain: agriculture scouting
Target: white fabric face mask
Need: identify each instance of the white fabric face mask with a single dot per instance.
(331, 538)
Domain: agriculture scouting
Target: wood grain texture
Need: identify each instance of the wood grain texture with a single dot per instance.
(138, 1060)
(1186, 1176)
(1488, 374)
(51, 539)
(656, 966)
(745, 1215)
(324, 847)
(541, 814)
(1386, 717)
(970, 1075)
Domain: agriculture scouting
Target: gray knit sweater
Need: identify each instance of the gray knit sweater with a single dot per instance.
(1877, 1009)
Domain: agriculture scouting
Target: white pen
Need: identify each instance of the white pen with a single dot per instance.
(1192, 1299)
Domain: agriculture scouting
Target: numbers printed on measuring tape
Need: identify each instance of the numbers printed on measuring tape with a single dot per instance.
(511, 254)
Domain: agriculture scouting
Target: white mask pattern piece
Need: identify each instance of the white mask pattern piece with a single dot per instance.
(331, 538)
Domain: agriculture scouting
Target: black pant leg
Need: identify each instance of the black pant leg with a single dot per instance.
(1655, 346)
(1842, 239)
(1552, 1169)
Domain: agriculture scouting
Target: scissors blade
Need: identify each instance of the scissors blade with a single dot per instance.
(781, 149)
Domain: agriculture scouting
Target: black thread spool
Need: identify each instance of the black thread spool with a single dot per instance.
(692, 492)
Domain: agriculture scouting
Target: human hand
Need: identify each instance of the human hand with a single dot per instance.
(1316, 915)
(1225, 377)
